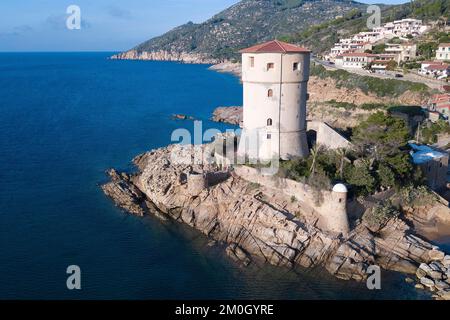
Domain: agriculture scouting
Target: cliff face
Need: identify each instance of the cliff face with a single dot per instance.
(257, 222)
(244, 24)
(163, 55)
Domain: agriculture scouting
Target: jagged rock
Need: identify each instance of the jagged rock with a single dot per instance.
(165, 55)
(231, 115)
(427, 282)
(125, 194)
(446, 261)
(444, 294)
(231, 212)
(441, 285)
(419, 286)
(182, 117)
(437, 266)
(420, 273)
(436, 255)
(237, 254)
(409, 280)
(436, 275)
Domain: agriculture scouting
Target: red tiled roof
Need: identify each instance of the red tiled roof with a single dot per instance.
(438, 67)
(275, 46)
(445, 106)
(445, 45)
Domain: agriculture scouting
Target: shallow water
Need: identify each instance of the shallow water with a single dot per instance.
(65, 119)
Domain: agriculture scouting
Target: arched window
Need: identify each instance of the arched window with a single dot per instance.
(270, 93)
(269, 122)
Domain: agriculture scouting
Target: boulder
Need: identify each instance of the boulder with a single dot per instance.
(425, 267)
(444, 294)
(419, 286)
(427, 282)
(409, 280)
(420, 273)
(441, 285)
(436, 255)
(436, 275)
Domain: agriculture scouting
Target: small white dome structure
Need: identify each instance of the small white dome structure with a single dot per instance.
(340, 188)
(337, 218)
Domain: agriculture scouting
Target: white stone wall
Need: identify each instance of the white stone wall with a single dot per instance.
(328, 137)
(332, 213)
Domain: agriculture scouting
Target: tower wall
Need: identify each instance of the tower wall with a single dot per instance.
(337, 218)
(275, 94)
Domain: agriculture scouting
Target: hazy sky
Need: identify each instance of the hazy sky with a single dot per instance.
(39, 25)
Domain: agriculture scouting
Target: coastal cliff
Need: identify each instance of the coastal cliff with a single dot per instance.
(260, 223)
(163, 55)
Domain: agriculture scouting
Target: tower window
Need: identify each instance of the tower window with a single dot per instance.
(270, 93)
(270, 66)
(252, 62)
(269, 136)
(296, 66)
(269, 122)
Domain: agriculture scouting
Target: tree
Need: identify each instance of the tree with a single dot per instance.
(342, 155)
(360, 176)
(314, 154)
(386, 176)
(380, 136)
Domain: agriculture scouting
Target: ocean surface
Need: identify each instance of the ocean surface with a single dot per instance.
(67, 117)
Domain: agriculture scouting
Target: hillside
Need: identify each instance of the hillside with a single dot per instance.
(321, 37)
(316, 24)
(241, 25)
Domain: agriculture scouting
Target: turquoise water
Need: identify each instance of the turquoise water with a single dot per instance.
(65, 119)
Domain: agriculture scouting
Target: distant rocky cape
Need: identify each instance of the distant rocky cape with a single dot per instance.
(162, 55)
(241, 25)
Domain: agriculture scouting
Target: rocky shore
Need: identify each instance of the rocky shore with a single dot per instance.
(231, 115)
(260, 223)
(163, 55)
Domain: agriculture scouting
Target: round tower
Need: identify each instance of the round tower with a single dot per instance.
(338, 218)
(275, 77)
(196, 183)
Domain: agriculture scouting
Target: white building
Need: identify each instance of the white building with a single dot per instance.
(404, 51)
(355, 60)
(443, 52)
(405, 27)
(275, 77)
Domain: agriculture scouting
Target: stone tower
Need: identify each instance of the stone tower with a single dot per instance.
(275, 77)
(338, 217)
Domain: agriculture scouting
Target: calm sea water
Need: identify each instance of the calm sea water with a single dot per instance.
(64, 119)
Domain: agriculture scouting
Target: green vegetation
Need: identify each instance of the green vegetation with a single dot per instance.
(379, 215)
(379, 48)
(246, 23)
(410, 196)
(380, 160)
(429, 132)
(380, 87)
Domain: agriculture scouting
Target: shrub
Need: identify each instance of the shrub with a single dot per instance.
(376, 217)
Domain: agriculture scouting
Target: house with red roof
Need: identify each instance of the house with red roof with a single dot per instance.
(436, 69)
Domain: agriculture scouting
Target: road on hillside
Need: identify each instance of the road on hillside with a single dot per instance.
(432, 83)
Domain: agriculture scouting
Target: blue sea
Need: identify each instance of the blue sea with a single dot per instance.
(67, 117)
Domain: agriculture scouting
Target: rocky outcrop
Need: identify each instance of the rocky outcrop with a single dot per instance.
(228, 67)
(435, 276)
(258, 222)
(231, 115)
(162, 55)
